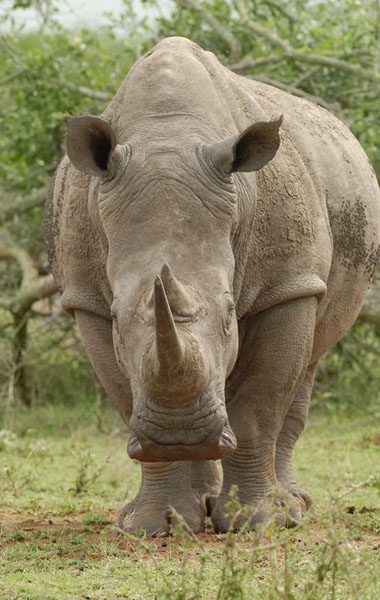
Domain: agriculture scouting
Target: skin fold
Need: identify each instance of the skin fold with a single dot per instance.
(213, 237)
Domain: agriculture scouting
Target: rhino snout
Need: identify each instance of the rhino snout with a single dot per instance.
(148, 450)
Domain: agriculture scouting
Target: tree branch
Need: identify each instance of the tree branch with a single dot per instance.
(12, 76)
(224, 32)
(28, 268)
(292, 17)
(80, 89)
(33, 286)
(334, 108)
(310, 58)
(18, 207)
(248, 63)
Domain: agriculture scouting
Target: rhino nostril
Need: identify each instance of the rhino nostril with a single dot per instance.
(134, 447)
(227, 439)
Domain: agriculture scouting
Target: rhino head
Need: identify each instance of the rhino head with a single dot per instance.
(166, 209)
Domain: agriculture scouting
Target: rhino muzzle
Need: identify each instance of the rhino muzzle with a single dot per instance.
(147, 450)
(177, 414)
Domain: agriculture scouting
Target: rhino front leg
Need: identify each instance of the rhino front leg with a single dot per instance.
(96, 335)
(292, 428)
(164, 487)
(206, 481)
(273, 360)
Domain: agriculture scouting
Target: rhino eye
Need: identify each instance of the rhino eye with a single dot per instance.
(113, 316)
(229, 316)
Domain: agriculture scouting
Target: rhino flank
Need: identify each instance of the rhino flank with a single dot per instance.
(213, 237)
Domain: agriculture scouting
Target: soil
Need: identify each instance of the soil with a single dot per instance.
(49, 530)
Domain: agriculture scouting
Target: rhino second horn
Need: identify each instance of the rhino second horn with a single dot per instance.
(181, 302)
(169, 347)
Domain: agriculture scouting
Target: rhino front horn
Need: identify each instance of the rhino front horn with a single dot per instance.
(173, 368)
(169, 347)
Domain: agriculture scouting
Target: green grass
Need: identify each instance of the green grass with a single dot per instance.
(64, 473)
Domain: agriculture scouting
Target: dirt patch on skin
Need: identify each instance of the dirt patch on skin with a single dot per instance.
(77, 528)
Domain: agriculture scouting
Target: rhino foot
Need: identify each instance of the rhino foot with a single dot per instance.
(166, 498)
(285, 510)
(159, 519)
(301, 495)
(206, 483)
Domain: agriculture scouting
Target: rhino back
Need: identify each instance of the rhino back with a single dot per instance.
(327, 191)
(316, 215)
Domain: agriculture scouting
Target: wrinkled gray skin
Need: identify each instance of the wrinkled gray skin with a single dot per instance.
(210, 255)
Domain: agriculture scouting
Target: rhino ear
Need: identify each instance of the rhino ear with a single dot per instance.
(250, 150)
(91, 141)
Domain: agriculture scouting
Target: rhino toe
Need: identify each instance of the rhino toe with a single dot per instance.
(159, 520)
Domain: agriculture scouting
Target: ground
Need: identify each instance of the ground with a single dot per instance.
(64, 474)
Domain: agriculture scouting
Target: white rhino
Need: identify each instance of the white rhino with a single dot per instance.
(211, 251)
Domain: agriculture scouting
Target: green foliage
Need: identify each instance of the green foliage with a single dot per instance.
(31, 120)
(348, 376)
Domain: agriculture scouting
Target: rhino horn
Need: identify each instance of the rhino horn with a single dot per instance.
(169, 347)
(181, 301)
(173, 369)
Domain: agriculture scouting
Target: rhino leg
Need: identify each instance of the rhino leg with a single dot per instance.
(165, 490)
(164, 486)
(273, 360)
(206, 481)
(292, 428)
(96, 335)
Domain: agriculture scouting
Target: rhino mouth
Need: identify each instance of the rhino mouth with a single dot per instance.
(144, 449)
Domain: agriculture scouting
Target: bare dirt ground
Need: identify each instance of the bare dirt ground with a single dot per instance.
(49, 530)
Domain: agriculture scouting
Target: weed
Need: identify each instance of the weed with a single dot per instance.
(95, 519)
(332, 556)
(87, 473)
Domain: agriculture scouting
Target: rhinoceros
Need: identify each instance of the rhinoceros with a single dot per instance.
(213, 237)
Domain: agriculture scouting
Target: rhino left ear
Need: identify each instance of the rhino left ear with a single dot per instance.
(248, 151)
(90, 143)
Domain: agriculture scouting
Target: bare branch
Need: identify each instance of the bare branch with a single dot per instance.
(80, 89)
(305, 76)
(43, 287)
(334, 108)
(19, 207)
(292, 17)
(12, 76)
(33, 286)
(29, 269)
(262, 31)
(224, 32)
(248, 64)
(6, 304)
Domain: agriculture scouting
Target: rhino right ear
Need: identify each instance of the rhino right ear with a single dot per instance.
(91, 142)
(249, 150)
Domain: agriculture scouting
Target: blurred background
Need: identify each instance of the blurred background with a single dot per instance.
(70, 56)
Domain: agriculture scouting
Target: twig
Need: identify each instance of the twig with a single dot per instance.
(224, 32)
(357, 486)
(12, 76)
(286, 12)
(21, 206)
(310, 58)
(297, 92)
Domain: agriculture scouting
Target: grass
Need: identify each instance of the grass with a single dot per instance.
(64, 474)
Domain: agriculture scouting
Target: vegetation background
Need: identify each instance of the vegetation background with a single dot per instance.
(327, 52)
